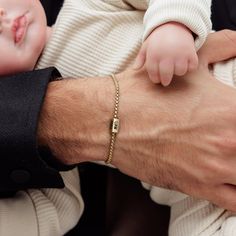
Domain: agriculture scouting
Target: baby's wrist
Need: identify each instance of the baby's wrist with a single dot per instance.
(174, 24)
(178, 24)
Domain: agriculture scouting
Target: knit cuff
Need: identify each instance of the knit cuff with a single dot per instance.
(193, 14)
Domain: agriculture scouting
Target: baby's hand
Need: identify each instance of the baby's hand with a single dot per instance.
(169, 50)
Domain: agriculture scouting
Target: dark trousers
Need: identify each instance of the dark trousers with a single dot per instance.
(117, 205)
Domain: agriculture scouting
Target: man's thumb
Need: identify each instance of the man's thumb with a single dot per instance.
(219, 46)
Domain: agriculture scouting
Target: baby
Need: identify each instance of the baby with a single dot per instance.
(96, 38)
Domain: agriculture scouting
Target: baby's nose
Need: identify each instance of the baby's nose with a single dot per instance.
(2, 13)
(5, 21)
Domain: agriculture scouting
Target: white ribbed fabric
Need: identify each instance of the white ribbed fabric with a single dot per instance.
(192, 13)
(197, 217)
(58, 210)
(43, 212)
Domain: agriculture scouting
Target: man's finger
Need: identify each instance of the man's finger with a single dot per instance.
(219, 46)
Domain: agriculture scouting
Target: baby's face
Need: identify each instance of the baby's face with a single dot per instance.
(23, 34)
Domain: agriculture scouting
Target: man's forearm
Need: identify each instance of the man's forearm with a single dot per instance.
(166, 136)
(75, 119)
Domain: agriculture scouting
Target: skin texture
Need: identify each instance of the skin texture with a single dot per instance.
(169, 50)
(192, 146)
(22, 55)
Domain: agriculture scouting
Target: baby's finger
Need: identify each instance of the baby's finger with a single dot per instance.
(141, 57)
(153, 71)
(193, 63)
(152, 66)
(166, 71)
(181, 67)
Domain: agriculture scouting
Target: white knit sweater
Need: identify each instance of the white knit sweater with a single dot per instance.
(100, 37)
(92, 37)
(44, 212)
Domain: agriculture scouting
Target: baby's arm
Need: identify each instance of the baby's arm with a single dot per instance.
(43, 212)
(170, 28)
(141, 5)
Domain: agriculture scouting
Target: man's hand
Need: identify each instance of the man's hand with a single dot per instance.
(182, 137)
(218, 47)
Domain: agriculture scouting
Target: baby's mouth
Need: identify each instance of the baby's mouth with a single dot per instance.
(19, 28)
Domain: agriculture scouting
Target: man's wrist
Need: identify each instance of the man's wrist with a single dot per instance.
(75, 119)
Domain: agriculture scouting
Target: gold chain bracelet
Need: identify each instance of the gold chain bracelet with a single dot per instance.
(115, 123)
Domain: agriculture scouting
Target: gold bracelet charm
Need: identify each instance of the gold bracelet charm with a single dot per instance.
(115, 123)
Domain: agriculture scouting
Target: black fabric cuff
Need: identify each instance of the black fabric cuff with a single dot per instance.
(21, 98)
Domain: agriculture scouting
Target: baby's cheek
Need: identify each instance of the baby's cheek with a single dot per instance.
(9, 65)
(28, 58)
(21, 64)
(29, 63)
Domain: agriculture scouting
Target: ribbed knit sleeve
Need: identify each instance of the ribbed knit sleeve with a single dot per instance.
(194, 14)
(196, 217)
(129, 4)
(43, 212)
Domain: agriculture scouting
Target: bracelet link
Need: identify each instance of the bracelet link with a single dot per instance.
(115, 122)
(115, 125)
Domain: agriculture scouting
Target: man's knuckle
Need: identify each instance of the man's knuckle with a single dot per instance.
(227, 144)
(213, 171)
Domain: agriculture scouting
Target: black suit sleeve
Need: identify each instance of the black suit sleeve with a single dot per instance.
(224, 14)
(21, 98)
